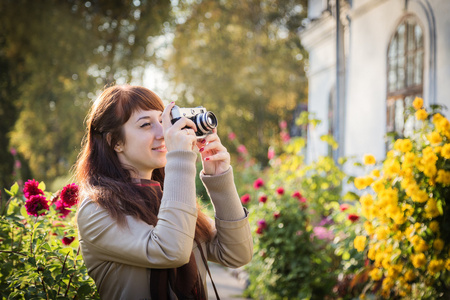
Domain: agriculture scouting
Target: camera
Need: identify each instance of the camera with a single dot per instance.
(205, 120)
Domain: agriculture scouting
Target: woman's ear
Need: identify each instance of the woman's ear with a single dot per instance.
(118, 147)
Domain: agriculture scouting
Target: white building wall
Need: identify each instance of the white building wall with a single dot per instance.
(320, 42)
(372, 24)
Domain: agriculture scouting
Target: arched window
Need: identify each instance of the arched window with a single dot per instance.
(405, 61)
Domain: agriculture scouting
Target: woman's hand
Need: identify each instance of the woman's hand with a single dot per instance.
(215, 157)
(175, 137)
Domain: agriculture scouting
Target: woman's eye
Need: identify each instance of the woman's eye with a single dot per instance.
(145, 125)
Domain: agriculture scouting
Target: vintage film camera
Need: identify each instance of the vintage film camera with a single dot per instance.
(205, 120)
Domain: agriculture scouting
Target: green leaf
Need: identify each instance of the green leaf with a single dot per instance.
(41, 185)
(23, 212)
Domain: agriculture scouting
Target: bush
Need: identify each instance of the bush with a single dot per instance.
(39, 252)
(407, 227)
(292, 208)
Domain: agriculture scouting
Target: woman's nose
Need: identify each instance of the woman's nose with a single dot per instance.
(159, 131)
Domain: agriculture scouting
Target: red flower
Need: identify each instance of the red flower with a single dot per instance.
(258, 183)
(35, 204)
(263, 199)
(31, 188)
(353, 217)
(276, 215)
(61, 208)
(280, 191)
(245, 199)
(68, 240)
(262, 224)
(344, 207)
(231, 136)
(69, 195)
(297, 195)
(259, 230)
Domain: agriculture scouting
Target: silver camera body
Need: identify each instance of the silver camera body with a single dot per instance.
(205, 120)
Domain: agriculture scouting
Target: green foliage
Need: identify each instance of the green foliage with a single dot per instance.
(303, 238)
(243, 61)
(56, 55)
(35, 264)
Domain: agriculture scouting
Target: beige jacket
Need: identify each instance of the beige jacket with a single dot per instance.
(119, 258)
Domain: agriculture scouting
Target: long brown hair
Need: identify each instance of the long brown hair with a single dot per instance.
(102, 177)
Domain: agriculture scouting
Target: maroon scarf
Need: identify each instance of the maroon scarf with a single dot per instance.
(184, 282)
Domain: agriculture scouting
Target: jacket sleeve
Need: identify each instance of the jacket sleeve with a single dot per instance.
(232, 244)
(166, 245)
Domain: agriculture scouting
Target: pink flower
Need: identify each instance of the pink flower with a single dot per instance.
(13, 151)
(263, 199)
(31, 188)
(353, 217)
(259, 230)
(322, 233)
(344, 207)
(283, 124)
(262, 224)
(231, 136)
(285, 137)
(242, 149)
(35, 205)
(258, 183)
(270, 153)
(69, 195)
(68, 240)
(280, 190)
(276, 215)
(245, 199)
(17, 164)
(61, 208)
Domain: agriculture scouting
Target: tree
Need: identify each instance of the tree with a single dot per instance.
(242, 60)
(59, 54)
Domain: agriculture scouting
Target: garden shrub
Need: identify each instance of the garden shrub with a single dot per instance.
(407, 226)
(39, 251)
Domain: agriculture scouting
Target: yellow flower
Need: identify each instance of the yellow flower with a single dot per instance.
(366, 200)
(418, 260)
(362, 182)
(406, 145)
(375, 173)
(360, 243)
(447, 264)
(434, 138)
(376, 274)
(378, 186)
(445, 152)
(434, 226)
(409, 275)
(431, 209)
(438, 244)
(435, 266)
(382, 232)
(368, 227)
(421, 114)
(409, 158)
(369, 159)
(436, 118)
(418, 103)
(443, 177)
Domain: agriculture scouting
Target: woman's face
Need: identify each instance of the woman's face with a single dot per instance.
(143, 148)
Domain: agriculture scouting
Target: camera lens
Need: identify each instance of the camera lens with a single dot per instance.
(206, 121)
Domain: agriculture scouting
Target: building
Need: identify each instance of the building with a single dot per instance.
(368, 60)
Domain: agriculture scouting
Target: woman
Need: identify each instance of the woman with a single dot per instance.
(142, 234)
